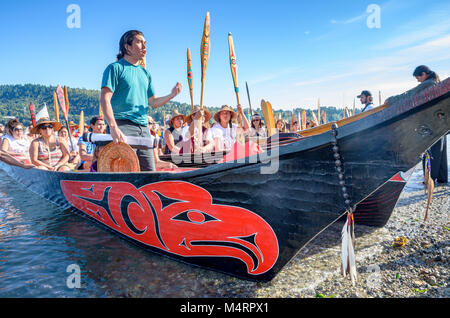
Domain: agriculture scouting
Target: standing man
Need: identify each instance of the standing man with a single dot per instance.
(126, 93)
(366, 99)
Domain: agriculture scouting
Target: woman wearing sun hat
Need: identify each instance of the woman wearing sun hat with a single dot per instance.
(224, 132)
(173, 136)
(199, 119)
(47, 152)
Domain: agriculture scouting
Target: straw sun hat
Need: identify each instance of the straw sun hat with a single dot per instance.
(207, 114)
(43, 121)
(118, 157)
(225, 108)
(176, 114)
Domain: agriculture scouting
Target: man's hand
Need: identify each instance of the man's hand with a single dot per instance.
(117, 135)
(176, 90)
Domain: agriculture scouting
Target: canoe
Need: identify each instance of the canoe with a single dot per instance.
(250, 217)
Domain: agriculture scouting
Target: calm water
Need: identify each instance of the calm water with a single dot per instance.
(39, 242)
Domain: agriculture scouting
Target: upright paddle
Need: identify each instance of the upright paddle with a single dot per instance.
(303, 119)
(249, 102)
(190, 77)
(81, 126)
(55, 107)
(233, 66)
(268, 117)
(318, 111)
(62, 96)
(33, 114)
(204, 54)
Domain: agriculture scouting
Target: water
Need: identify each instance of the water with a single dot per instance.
(39, 242)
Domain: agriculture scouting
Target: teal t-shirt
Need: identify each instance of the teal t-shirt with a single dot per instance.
(131, 86)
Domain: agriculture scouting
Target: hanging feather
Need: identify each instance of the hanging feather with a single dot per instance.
(347, 249)
(429, 183)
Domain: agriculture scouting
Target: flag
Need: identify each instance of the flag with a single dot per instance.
(43, 113)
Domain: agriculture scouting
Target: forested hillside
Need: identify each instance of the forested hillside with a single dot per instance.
(14, 101)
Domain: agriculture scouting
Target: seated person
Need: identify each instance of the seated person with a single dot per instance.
(280, 126)
(294, 127)
(257, 128)
(199, 141)
(424, 76)
(86, 149)
(74, 156)
(224, 132)
(46, 152)
(173, 136)
(15, 143)
(153, 128)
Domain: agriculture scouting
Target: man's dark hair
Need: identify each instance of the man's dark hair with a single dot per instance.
(127, 38)
(95, 119)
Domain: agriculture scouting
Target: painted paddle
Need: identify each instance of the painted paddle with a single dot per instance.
(33, 114)
(66, 99)
(100, 112)
(268, 117)
(318, 111)
(234, 74)
(303, 119)
(249, 102)
(55, 107)
(204, 54)
(190, 77)
(62, 103)
(324, 117)
(81, 126)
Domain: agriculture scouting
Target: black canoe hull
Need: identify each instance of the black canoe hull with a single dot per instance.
(236, 218)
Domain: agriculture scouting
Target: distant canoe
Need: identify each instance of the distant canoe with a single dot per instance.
(250, 218)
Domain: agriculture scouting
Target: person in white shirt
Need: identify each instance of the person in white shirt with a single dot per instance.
(199, 120)
(15, 143)
(225, 132)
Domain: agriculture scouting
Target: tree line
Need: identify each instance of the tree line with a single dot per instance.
(15, 99)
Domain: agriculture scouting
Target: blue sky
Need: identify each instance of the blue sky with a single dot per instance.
(291, 52)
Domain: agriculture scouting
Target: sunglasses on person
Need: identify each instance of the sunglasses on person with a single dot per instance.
(47, 126)
(18, 129)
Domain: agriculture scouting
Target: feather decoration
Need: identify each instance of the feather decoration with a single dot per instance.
(429, 183)
(347, 251)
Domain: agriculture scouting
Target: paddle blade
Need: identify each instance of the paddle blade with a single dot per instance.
(100, 112)
(190, 77)
(66, 99)
(318, 111)
(303, 119)
(204, 53)
(32, 113)
(233, 63)
(81, 126)
(55, 107)
(62, 103)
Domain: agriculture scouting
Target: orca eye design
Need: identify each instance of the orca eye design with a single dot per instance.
(194, 216)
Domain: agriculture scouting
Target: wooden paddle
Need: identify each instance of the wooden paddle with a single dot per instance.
(32, 113)
(318, 111)
(249, 102)
(379, 97)
(315, 118)
(190, 77)
(234, 74)
(303, 119)
(100, 112)
(81, 126)
(268, 117)
(354, 107)
(62, 96)
(55, 107)
(204, 54)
